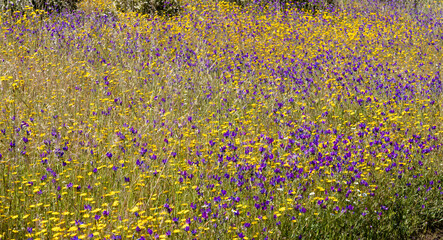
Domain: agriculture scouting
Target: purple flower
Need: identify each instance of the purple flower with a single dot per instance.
(109, 155)
(143, 151)
(193, 206)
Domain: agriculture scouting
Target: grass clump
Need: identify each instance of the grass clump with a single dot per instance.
(220, 123)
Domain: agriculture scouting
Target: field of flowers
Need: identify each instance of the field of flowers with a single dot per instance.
(221, 123)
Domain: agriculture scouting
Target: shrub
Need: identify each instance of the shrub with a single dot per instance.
(161, 7)
(55, 5)
(301, 4)
(47, 5)
(13, 5)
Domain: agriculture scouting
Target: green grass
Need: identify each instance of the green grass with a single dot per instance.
(221, 122)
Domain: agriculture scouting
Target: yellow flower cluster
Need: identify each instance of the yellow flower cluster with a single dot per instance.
(222, 122)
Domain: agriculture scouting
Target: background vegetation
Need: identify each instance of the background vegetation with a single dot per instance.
(221, 121)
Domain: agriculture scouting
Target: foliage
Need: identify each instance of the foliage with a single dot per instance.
(284, 4)
(161, 7)
(46, 5)
(220, 123)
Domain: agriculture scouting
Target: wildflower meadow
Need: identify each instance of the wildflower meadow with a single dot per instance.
(222, 122)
